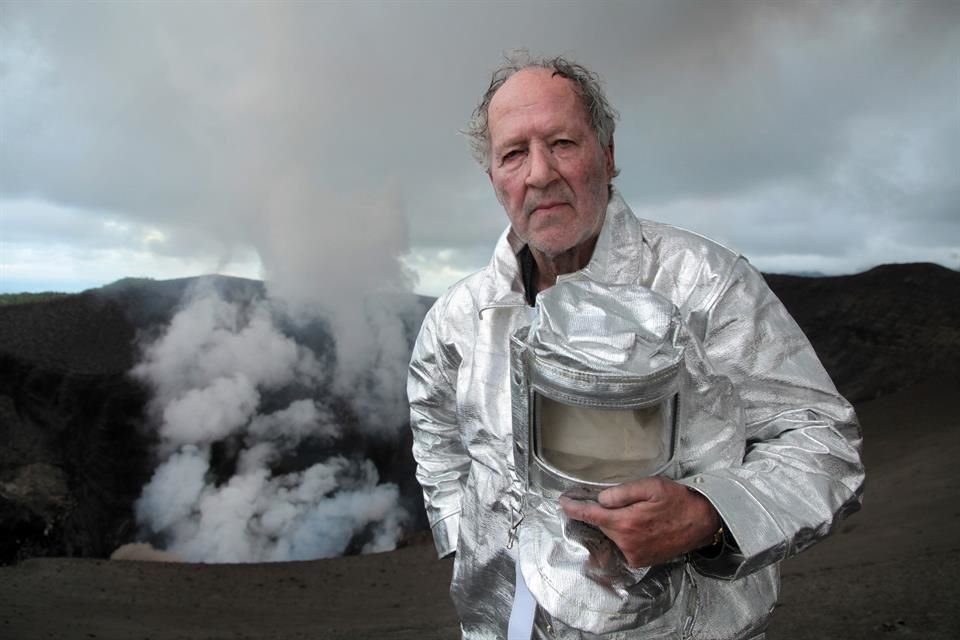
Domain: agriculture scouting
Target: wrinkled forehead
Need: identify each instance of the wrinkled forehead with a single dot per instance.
(535, 93)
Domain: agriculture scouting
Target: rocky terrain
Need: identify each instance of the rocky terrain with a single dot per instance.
(75, 454)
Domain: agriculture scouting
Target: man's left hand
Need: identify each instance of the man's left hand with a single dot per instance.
(652, 521)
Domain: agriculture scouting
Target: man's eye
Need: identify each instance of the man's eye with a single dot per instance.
(563, 143)
(511, 155)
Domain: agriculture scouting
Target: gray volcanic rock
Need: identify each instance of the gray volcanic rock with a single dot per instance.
(74, 455)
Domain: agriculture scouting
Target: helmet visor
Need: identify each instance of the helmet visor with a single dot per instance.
(599, 445)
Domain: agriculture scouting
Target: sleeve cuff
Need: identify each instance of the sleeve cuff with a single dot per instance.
(446, 530)
(752, 539)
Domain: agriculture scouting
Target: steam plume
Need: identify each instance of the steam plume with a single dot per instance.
(237, 396)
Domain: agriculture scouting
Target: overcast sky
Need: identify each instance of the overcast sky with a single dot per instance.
(168, 139)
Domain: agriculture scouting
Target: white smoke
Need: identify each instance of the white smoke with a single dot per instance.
(344, 266)
(257, 517)
(230, 382)
(294, 423)
(216, 373)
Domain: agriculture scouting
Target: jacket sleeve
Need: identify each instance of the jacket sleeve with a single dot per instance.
(801, 472)
(442, 462)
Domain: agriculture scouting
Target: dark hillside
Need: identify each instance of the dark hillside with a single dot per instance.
(73, 453)
(879, 331)
(82, 333)
(148, 303)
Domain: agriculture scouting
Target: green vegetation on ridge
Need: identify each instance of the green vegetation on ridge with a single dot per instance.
(28, 297)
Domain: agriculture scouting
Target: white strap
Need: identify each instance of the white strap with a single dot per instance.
(524, 608)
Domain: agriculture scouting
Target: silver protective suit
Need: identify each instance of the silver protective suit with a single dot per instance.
(780, 463)
(620, 360)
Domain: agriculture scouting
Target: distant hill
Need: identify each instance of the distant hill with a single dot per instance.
(882, 330)
(21, 298)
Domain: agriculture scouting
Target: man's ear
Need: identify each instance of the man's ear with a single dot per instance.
(611, 162)
(495, 192)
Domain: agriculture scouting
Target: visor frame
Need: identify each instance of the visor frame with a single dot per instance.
(531, 375)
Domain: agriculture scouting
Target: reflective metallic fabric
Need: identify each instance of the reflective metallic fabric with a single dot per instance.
(779, 458)
(594, 386)
(607, 347)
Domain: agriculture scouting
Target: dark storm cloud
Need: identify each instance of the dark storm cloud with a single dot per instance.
(816, 128)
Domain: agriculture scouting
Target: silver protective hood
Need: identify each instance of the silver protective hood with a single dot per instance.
(769, 442)
(615, 354)
(594, 388)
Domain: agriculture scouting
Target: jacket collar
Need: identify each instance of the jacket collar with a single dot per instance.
(614, 261)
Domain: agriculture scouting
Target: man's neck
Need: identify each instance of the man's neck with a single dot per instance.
(548, 268)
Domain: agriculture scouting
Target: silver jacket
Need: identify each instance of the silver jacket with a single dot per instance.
(799, 473)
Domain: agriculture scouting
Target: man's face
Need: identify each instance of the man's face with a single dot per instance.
(547, 167)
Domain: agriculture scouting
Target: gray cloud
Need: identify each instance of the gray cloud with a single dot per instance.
(829, 127)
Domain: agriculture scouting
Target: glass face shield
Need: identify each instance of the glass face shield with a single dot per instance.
(602, 446)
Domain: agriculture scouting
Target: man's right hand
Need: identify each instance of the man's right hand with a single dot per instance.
(652, 520)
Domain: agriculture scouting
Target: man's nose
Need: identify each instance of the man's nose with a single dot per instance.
(542, 170)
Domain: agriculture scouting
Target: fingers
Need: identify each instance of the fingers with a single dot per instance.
(586, 511)
(602, 512)
(628, 493)
(612, 523)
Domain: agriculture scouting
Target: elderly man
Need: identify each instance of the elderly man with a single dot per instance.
(784, 471)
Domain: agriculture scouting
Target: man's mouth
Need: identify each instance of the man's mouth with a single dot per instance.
(547, 206)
